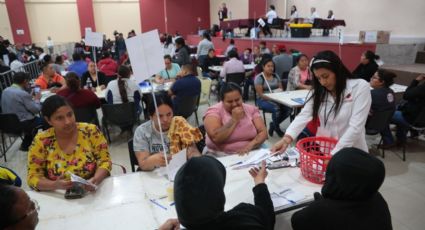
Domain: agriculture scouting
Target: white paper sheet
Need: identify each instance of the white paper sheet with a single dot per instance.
(77, 179)
(146, 55)
(93, 39)
(176, 162)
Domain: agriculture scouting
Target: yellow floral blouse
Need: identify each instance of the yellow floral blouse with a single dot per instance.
(45, 158)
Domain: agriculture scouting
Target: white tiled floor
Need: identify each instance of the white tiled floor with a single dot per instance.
(403, 189)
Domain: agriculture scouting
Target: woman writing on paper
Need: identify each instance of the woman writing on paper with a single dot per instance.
(233, 126)
(68, 146)
(177, 134)
(340, 103)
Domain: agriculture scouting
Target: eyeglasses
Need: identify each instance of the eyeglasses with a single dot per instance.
(34, 208)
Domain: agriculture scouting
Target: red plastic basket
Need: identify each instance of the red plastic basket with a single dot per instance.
(315, 153)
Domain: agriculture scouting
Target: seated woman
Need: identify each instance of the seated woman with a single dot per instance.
(49, 79)
(200, 199)
(170, 73)
(17, 210)
(67, 146)
(411, 113)
(90, 74)
(233, 126)
(210, 60)
(382, 96)
(177, 133)
(367, 67)
(122, 90)
(77, 97)
(269, 82)
(300, 76)
(350, 197)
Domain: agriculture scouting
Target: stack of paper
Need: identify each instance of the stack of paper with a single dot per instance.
(286, 197)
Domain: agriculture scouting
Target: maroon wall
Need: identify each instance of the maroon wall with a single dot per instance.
(187, 17)
(182, 16)
(257, 8)
(152, 15)
(18, 20)
(86, 15)
(350, 53)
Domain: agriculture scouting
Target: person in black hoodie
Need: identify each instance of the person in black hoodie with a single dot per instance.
(367, 67)
(200, 199)
(350, 197)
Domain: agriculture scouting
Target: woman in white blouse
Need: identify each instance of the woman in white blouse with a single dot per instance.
(340, 103)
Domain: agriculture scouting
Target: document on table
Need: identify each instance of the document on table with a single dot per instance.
(255, 157)
(286, 197)
(298, 100)
(176, 162)
(77, 179)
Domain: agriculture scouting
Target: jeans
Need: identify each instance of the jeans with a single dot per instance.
(248, 82)
(279, 112)
(402, 128)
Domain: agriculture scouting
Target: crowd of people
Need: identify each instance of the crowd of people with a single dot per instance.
(339, 104)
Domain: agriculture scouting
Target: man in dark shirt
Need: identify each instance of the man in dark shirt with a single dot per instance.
(187, 86)
(210, 60)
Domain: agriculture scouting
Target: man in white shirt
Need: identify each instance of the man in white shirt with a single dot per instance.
(313, 15)
(271, 14)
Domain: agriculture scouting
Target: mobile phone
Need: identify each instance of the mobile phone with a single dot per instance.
(37, 89)
(75, 192)
(278, 165)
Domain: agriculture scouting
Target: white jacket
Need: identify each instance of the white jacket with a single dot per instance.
(349, 124)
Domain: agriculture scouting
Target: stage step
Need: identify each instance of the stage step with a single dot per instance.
(420, 57)
(405, 73)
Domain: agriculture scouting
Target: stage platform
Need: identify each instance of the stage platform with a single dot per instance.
(349, 52)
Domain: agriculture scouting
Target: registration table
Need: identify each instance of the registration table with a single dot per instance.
(292, 99)
(123, 202)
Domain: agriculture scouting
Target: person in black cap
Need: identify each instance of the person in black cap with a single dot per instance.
(200, 199)
(350, 197)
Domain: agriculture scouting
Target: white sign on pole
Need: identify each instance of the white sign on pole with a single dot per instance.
(94, 39)
(146, 55)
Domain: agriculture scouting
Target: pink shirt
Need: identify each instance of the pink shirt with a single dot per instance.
(304, 75)
(244, 132)
(232, 66)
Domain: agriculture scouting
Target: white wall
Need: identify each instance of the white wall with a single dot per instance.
(5, 30)
(123, 16)
(239, 9)
(55, 18)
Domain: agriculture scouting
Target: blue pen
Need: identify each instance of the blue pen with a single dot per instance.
(157, 204)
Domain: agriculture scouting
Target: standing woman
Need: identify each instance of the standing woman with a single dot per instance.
(300, 76)
(367, 67)
(268, 82)
(339, 102)
(169, 47)
(182, 55)
(203, 47)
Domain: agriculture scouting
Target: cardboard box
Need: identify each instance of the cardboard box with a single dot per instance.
(374, 36)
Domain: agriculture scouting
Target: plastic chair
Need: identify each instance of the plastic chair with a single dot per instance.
(238, 78)
(205, 91)
(10, 125)
(86, 114)
(199, 71)
(377, 123)
(123, 115)
(133, 158)
(187, 106)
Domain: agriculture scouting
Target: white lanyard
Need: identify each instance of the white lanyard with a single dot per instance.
(268, 86)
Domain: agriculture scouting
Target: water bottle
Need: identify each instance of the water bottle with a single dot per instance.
(88, 83)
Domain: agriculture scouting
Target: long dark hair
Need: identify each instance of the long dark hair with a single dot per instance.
(168, 41)
(330, 61)
(371, 56)
(123, 72)
(8, 199)
(72, 81)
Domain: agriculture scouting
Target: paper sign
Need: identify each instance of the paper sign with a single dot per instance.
(176, 162)
(146, 55)
(261, 22)
(77, 179)
(94, 39)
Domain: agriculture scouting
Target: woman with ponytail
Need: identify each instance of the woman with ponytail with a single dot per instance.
(122, 89)
(367, 67)
(76, 96)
